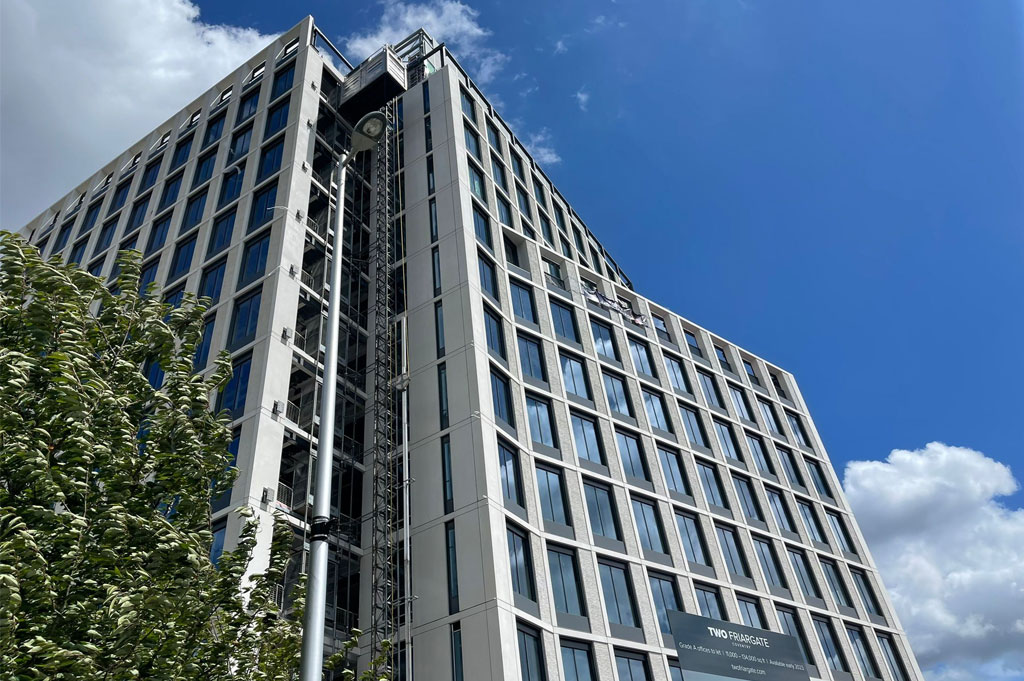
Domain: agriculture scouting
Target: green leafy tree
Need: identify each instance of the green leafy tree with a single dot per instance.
(105, 490)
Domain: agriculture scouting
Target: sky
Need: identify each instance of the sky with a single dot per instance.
(835, 186)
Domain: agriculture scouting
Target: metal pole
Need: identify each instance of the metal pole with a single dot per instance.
(316, 589)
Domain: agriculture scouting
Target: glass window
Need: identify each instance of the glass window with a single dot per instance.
(769, 562)
(439, 328)
(790, 626)
(204, 169)
(282, 82)
(632, 455)
(750, 612)
(182, 259)
(433, 220)
(739, 400)
(482, 226)
(517, 166)
(435, 258)
(428, 135)
(839, 531)
(751, 373)
(447, 488)
(531, 655)
(836, 586)
(468, 106)
(522, 301)
(232, 397)
(541, 421)
(867, 594)
(214, 129)
(270, 160)
(641, 355)
(892, 658)
(538, 193)
(220, 532)
(511, 252)
(148, 275)
(666, 598)
(778, 386)
(604, 341)
(654, 404)
(768, 412)
(551, 489)
(247, 107)
(456, 630)
(170, 193)
(564, 320)
(239, 144)
(601, 508)
(91, 216)
(488, 277)
(137, 216)
(106, 237)
(711, 484)
(779, 509)
(565, 581)
(748, 500)
(452, 565)
(511, 482)
(263, 204)
(504, 212)
(648, 525)
(588, 445)
(213, 281)
(495, 335)
(521, 563)
(710, 389)
(631, 667)
(808, 585)
(220, 234)
(811, 521)
(472, 142)
(827, 635)
(78, 252)
(616, 392)
(727, 439)
(120, 196)
(157, 235)
(618, 595)
(442, 393)
(203, 349)
(798, 429)
(524, 202)
(791, 467)
(277, 119)
(818, 478)
(709, 602)
(531, 358)
(476, 185)
(675, 474)
(723, 361)
(865, 660)
(756, 446)
(694, 428)
(149, 177)
(693, 538)
(677, 375)
(193, 212)
(498, 171)
(691, 341)
(577, 664)
(430, 175)
(735, 559)
(245, 320)
(181, 152)
(574, 375)
(254, 260)
(502, 396)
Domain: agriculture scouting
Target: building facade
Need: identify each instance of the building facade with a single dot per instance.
(569, 460)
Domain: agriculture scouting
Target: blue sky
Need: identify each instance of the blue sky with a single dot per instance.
(838, 187)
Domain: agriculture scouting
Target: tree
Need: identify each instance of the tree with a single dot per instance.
(105, 489)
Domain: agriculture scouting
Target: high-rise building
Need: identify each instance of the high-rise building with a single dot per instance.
(533, 462)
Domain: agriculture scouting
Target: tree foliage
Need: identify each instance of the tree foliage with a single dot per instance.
(105, 489)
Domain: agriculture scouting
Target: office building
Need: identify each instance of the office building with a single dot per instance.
(534, 463)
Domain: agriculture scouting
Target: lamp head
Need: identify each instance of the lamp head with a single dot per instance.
(368, 130)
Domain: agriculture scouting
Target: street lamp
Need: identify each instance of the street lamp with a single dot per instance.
(367, 131)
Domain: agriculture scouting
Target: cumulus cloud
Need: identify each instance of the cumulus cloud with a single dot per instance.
(582, 98)
(83, 80)
(951, 555)
(540, 146)
(561, 47)
(448, 21)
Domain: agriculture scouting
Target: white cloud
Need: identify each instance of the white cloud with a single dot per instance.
(561, 47)
(80, 81)
(582, 98)
(447, 21)
(950, 554)
(540, 147)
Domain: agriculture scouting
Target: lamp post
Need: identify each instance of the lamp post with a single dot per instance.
(367, 131)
